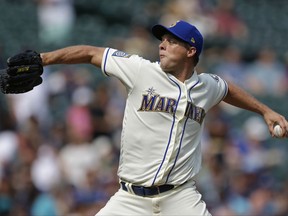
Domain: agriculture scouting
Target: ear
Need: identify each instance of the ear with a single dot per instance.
(191, 51)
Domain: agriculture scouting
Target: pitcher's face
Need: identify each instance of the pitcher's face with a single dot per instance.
(173, 53)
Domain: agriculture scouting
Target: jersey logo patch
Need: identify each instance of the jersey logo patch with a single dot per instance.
(121, 54)
(215, 77)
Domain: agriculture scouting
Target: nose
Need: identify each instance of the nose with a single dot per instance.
(162, 45)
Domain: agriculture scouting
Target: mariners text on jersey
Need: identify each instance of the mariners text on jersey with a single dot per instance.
(156, 103)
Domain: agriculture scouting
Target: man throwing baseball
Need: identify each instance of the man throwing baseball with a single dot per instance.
(164, 119)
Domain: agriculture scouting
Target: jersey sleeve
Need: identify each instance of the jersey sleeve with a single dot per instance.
(217, 88)
(121, 65)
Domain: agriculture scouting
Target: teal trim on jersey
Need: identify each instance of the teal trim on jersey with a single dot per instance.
(180, 145)
(169, 141)
(105, 60)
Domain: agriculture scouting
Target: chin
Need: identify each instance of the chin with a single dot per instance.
(166, 70)
(163, 67)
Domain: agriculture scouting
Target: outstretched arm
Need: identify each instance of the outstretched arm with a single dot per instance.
(74, 55)
(25, 69)
(240, 98)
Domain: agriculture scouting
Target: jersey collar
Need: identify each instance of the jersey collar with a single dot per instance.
(193, 79)
(189, 82)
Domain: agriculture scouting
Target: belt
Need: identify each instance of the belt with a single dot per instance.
(147, 191)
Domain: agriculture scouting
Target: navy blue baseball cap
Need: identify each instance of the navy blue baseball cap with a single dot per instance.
(182, 30)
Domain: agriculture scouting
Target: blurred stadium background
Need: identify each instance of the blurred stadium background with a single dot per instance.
(59, 144)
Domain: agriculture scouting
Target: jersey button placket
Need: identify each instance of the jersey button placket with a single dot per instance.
(180, 112)
(182, 103)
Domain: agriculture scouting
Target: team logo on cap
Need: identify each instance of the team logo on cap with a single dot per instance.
(192, 40)
(174, 24)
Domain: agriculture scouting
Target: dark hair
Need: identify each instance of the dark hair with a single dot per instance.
(196, 60)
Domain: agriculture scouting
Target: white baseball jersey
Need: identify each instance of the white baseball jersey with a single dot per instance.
(163, 119)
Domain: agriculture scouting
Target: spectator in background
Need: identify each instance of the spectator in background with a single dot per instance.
(191, 11)
(2, 62)
(6, 196)
(266, 75)
(33, 105)
(286, 65)
(231, 66)
(9, 140)
(79, 118)
(76, 159)
(56, 19)
(99, 112)
(45, 169)
(254, 154)
(228, 24)
(139, 41)
(114, 109)
(78, 155)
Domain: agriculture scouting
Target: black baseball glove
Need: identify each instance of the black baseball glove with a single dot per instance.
(22, 74)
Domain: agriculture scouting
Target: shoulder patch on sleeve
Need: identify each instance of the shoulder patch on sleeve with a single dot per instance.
(215, 77)
(121, 54)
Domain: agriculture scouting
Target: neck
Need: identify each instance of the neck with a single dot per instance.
(183, 75)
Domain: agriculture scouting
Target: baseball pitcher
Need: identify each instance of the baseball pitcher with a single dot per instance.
(164, 116)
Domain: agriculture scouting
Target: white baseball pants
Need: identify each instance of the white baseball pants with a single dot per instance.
(182, 200)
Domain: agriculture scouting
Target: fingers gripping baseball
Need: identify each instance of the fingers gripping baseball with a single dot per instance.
(23, 73)
(280, 129)
(277, 124)
(283, 132)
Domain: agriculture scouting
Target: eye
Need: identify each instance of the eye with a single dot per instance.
(171, 41)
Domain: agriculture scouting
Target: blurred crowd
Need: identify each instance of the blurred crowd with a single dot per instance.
(60, 143)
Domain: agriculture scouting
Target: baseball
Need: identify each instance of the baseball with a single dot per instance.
(278, 132)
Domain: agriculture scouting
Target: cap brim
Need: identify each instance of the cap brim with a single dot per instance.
(158, 31)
